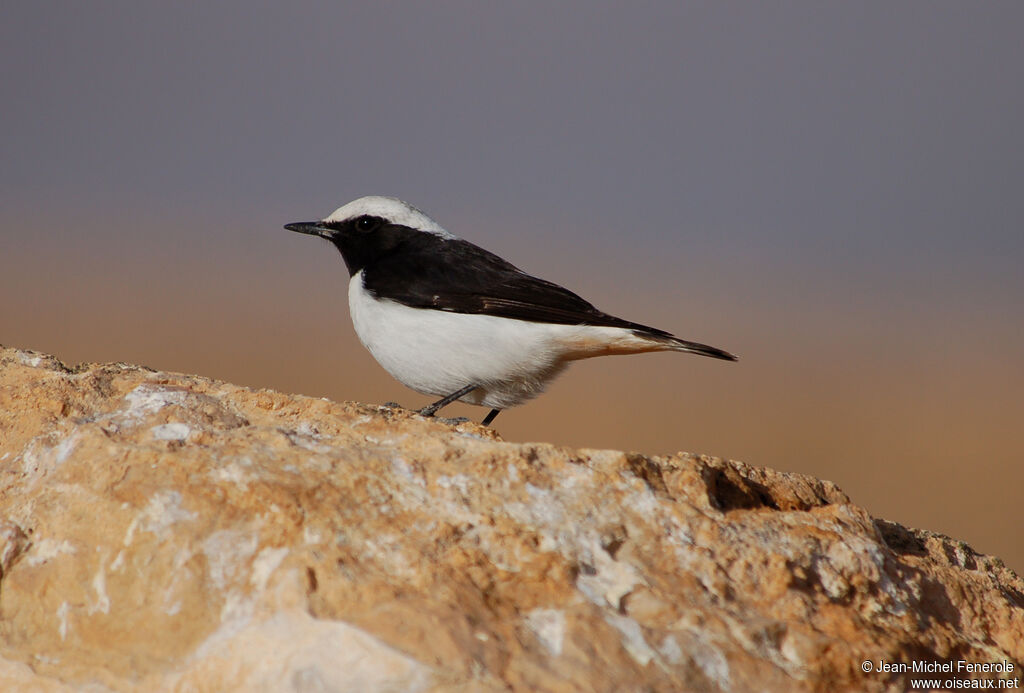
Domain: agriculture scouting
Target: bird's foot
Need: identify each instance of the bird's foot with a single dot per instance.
(394, 407)
(431, 409)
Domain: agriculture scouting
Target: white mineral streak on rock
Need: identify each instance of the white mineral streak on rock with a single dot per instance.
(147, 399)
(549, 627)
(632, 638)
(62, 618)
(171, 431)
(46, 549)
(163, 510)
(292, 651)
(99, 584)
(266, 563)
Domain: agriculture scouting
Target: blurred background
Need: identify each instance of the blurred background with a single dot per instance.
(831, 191)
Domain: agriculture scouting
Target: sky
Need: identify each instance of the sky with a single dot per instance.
(832, 191)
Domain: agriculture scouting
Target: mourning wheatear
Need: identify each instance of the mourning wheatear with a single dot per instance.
(450, 319)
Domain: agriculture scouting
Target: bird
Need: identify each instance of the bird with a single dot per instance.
(449, 319)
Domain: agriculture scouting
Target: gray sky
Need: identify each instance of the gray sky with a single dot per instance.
(876, 131)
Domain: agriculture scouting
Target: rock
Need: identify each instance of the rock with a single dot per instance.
(168, 532)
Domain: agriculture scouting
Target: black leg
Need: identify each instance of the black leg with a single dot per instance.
(490, 417)
(430, 409)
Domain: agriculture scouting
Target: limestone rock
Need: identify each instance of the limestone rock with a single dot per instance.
(168, 532)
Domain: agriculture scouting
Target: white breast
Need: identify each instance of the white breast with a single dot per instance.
(437, 352)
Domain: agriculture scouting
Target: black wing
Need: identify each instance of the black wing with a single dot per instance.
(427, 271)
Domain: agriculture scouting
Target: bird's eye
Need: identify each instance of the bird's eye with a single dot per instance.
(368, 223)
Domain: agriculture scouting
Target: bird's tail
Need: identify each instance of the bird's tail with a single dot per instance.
(673, 343)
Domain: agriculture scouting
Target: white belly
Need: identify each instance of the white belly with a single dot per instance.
(437, 352)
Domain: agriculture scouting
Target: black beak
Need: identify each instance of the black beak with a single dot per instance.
(313, 228)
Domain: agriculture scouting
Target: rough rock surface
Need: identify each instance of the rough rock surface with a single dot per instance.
(168, 532)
